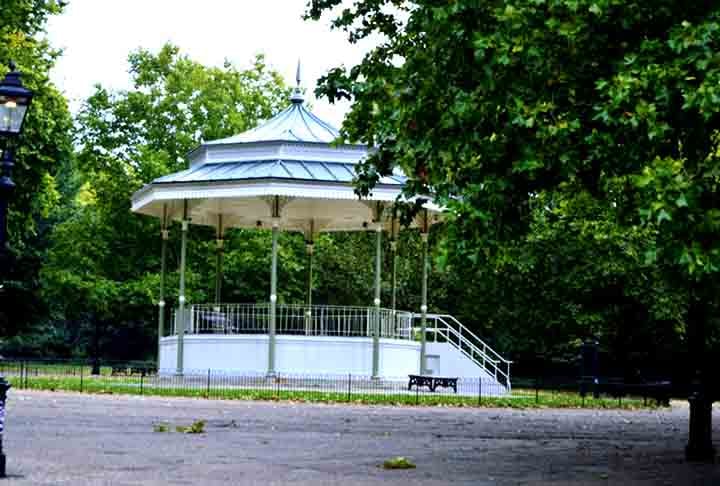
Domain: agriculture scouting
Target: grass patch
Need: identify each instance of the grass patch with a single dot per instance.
(195, 387)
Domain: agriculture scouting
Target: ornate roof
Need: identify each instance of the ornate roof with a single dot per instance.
(291, 157)
(294, 124)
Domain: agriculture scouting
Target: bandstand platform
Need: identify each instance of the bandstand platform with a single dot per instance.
(288, 174)
(309, 340)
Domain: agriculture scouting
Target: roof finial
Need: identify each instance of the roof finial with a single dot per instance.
(297, 95)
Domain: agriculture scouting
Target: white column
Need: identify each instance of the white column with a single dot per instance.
(376, 302)
(164, 233)
(423, 305)
(310, 248)
(273, 298)
(181, 317)
(220, 250)
(424, 232)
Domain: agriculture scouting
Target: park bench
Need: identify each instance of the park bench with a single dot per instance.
(659, 391)
(130, 370)
(432, 382)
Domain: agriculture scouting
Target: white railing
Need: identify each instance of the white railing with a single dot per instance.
(316, 320)
(445, 328)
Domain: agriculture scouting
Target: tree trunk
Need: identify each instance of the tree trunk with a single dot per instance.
(699, 447)
(96, 349)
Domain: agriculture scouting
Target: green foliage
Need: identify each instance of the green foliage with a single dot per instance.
(399, 463)
(103, 265)
(43, 150)
(45, 144)
(575, 142)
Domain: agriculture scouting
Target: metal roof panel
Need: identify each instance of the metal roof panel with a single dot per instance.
(294, 124)
(272, 169)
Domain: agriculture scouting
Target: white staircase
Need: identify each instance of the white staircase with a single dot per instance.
(468, 354)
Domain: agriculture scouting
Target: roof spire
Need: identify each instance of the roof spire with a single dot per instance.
(297, 96)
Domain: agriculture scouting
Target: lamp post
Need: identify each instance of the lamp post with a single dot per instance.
(14, 102)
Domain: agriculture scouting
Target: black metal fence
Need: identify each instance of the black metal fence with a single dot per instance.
(142, 378)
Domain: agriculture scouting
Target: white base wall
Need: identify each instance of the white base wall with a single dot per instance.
(450, 361)
(293, 354)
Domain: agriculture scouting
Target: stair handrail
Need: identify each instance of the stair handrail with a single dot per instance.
(465, 330)
(466, 336)
(475, 348)
(494, 370)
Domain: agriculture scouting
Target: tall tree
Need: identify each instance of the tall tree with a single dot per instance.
(494, 106)
(43, 150)
(104, 260)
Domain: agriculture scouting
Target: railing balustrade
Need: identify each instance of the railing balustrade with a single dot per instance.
(445, 328)
(296, 319)
(347, 321)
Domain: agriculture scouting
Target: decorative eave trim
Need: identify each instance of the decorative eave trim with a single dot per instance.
(255, 188)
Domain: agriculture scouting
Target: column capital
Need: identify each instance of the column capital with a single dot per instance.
(309, 247)
(185, 224)
(220, 242)
(165, 234)
(273, 298)
(276, 222)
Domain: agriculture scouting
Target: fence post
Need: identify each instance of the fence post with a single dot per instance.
(537, 391)
(349, 386)
(81, 377)
(207, 389)
(142, 379)
(417, 395)
(480, 391)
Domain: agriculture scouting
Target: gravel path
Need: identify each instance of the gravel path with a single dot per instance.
(59, 438)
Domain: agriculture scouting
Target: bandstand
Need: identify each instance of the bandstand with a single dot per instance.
(287, 175)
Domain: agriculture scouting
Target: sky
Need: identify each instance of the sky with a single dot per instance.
(97, 35)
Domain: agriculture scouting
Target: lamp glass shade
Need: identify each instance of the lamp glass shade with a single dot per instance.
(12, 114)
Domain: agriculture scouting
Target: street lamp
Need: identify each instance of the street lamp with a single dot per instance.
(14, 102)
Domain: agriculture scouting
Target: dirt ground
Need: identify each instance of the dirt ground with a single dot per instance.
(59, 439)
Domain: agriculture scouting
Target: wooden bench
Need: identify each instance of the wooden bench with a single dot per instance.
(432, 382)
(131, 370)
